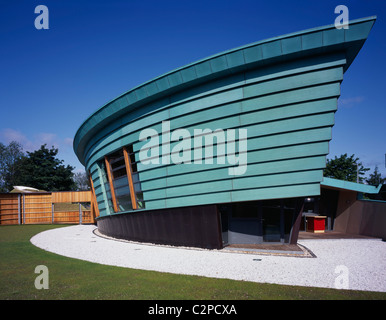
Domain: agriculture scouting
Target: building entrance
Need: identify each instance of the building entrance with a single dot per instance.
(257, 222)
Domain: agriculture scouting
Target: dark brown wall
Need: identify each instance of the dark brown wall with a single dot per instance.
(360, 216)
(197, 226)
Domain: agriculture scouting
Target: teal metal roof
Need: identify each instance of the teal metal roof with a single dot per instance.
(284, 91)
(352, 186)
(297, 45)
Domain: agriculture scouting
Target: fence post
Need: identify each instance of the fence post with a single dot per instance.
(80, 213)
(23, 209)
(52, 213)
(18, 209)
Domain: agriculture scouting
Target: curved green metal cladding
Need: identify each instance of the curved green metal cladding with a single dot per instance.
(283, 91)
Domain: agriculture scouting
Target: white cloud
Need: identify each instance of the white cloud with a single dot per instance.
(46, 138)
(7, 135)
(35, 141)
(350, 102)
(68, 141)
(31, 143)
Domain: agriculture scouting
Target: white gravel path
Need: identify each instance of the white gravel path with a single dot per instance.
(357, 264)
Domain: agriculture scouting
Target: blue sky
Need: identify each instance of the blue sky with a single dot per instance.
(52, 80)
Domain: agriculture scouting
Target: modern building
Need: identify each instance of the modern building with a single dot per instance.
(224, 150)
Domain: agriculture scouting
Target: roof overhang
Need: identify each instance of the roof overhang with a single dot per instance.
(351, 186)
(316, 41)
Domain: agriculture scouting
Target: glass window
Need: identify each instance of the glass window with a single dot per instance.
(121, 182)
(106, 184)
(135, 177)
(271, 215)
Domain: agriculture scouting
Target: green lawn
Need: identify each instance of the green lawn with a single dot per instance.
(76, 279)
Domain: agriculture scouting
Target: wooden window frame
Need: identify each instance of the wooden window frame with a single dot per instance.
(129, 172)
(93, 196)
(109, 178)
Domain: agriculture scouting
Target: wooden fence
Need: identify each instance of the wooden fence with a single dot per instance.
(49, 207)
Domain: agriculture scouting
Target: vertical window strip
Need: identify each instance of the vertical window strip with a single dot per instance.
(130, 178)
(93, 196)
(118, 167)
(102, 178)
(109, 177)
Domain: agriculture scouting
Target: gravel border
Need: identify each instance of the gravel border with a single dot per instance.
(356, 264)
(304, 253)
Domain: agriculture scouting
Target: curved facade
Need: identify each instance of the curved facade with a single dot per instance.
(223, 150)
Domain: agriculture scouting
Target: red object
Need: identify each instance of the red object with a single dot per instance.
(316, 223)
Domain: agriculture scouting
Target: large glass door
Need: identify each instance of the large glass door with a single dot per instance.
(271, 221)
(258, 221)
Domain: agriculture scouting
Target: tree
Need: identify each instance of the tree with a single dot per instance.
(375, 178)
(41, 169)
(9, 161)
(82, 182)
(345, 168)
